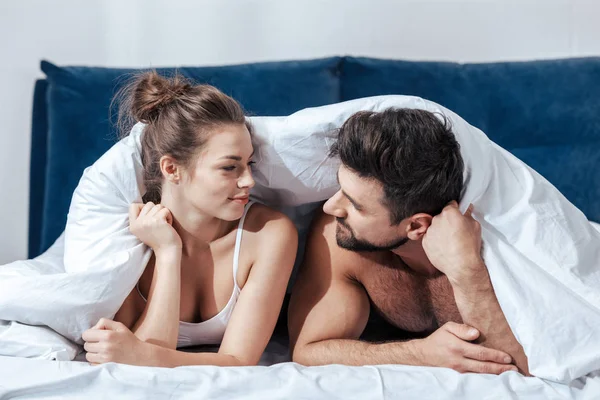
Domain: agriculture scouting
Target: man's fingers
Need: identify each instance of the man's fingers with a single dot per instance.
(482, 353)
(453, 204)
(469, 210)
(462, 331)
(484, 367)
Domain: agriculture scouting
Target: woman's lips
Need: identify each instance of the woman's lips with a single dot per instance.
(240, 200)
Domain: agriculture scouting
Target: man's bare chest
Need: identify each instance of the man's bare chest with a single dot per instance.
(409, 301)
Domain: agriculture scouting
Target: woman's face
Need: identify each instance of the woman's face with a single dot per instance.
(219, 181)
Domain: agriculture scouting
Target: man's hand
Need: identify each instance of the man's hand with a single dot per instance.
(453, 244)
(449, 347)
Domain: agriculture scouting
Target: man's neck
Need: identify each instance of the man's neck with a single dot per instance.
(413, 255)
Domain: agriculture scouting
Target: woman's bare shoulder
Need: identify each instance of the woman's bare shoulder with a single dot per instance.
(266, 221)
(271, 236)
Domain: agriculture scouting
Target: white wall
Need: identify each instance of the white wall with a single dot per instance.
(166, 32)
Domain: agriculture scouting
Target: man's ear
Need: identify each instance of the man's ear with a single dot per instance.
(417, 226)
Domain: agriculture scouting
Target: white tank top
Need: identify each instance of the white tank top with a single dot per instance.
(212, 330)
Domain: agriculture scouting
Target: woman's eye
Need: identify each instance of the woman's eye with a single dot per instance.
(251, 163)
(230, 168)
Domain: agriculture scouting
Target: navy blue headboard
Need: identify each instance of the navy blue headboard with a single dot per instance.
(547, 113)
(37, 172)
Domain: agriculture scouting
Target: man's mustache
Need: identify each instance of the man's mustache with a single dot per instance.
(343, 222)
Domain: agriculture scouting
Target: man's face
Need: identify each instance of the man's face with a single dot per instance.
(363, 222)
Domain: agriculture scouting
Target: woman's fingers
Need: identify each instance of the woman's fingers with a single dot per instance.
(94, 358)
(96, 335)
(92, 347)
(166, 215)
(155, 210)
(134, 211)
(146, 209)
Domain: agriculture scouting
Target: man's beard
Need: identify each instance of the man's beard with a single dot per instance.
(350, 242)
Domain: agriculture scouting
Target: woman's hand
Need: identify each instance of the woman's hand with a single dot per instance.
(111, 341)
(153, 225)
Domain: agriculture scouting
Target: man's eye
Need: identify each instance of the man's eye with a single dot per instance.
(230, 168)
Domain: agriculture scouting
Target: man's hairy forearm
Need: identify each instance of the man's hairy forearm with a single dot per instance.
(355, 352)
(479, 308)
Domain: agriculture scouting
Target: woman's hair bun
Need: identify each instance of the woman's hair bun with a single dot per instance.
(153, 92)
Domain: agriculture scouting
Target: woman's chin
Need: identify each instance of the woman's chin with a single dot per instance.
(232, 212)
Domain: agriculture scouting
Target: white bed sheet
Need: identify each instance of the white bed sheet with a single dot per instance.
(42, 379)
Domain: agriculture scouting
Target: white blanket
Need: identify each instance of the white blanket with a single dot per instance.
(542, 254)
(39, 379)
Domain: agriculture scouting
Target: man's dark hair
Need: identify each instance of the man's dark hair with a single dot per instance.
(411, 152)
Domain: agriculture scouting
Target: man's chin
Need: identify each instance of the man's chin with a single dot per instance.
(344, 244)
(352, 244)
(344, 241)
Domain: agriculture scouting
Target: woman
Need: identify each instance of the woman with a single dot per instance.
(220, 264)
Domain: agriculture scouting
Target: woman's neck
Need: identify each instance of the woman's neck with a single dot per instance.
(196, 230)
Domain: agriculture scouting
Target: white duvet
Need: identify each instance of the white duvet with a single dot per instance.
(41, 379)
(542, 254)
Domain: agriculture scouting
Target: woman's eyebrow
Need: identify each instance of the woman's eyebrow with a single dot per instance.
(237, 158)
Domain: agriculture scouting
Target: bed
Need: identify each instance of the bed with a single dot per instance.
(67, 123)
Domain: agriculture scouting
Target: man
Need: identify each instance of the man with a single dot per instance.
(393, 240)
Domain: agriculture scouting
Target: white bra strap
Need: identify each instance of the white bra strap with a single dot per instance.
(238, 242)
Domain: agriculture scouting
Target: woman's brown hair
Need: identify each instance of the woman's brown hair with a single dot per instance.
(178, 117)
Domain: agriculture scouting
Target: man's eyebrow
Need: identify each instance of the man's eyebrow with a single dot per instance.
(237, 158)
(354, 202)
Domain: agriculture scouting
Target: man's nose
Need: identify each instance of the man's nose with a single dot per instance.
(333, 206)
